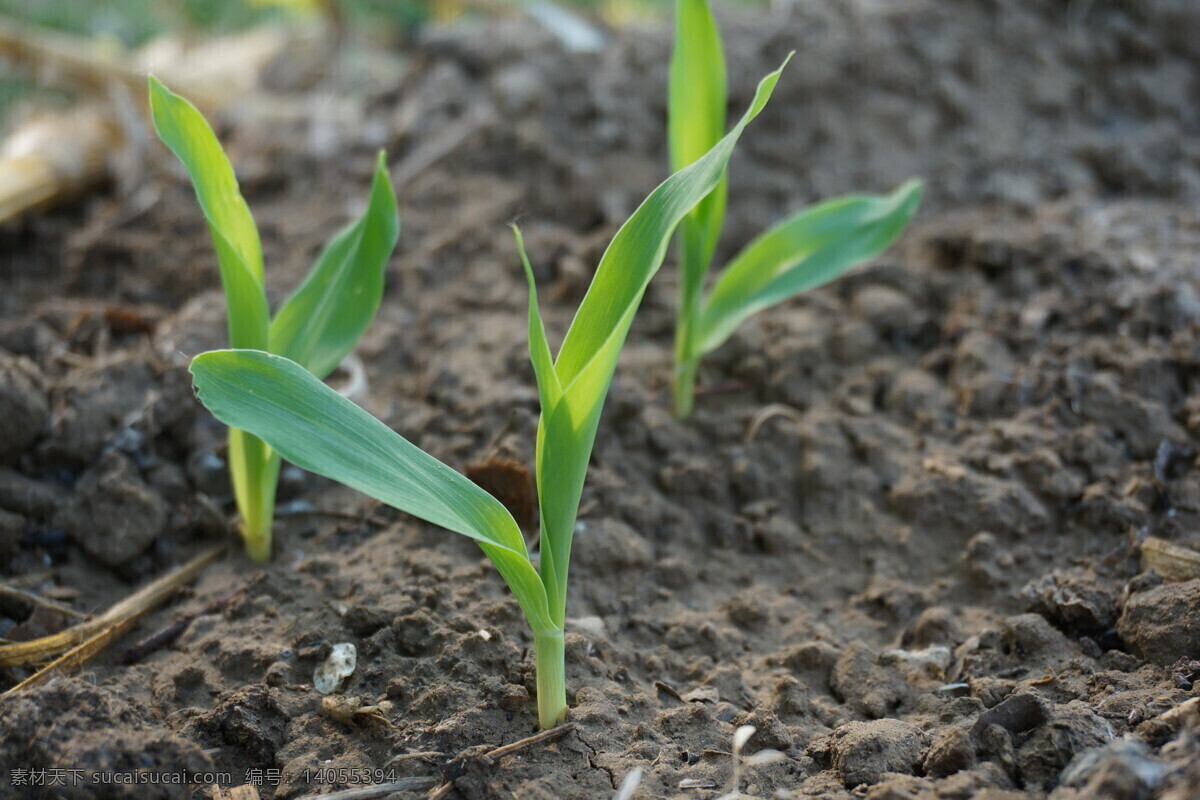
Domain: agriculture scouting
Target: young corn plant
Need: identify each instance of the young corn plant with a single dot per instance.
(802, 252)
(316, 327)
(317, 429)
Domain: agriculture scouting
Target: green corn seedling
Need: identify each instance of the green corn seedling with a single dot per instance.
(317, 326)
(314, 427)
(802, 252)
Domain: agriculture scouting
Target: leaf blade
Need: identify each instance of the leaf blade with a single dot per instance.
(324, 318)
(317, 429)
(588, 356)
(696, 93)
(638, 248)
(235, 237)
(549, 389)
(811, 248)
(696, 100)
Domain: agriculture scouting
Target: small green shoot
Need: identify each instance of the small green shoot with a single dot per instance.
(317, 326)
(319, 430)
(805, 251)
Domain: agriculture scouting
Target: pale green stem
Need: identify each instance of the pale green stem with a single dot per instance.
(255, 470)
(684, 388)
(550, 660)
(691, 279)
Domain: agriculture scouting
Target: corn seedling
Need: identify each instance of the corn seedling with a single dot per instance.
(316, 327)
(317, 429)
(802, 252)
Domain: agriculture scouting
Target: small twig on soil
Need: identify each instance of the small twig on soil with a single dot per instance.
(423, 755)
(372, 792)
(471, 217)
(766, 413)
(490, 757)
(30, 578)
(88, 638)
(164, 636)
(1048, 678)
(77, 656)
(439, 147)
(115, 215)
(37, 600)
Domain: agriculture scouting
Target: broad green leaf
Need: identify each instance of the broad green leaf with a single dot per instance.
(325, 317)
(695, 122)
(317, 429)
(588, 355)
(239, 252)
(803, 252)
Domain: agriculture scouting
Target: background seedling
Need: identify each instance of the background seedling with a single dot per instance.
(317, 326)
(802, 252)
(315, 428)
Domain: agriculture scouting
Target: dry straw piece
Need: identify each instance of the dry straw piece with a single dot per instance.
(83, 641)
(55, 156)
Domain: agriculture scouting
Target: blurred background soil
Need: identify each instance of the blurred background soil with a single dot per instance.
(900, 535)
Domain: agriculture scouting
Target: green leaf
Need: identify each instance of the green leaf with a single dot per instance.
(239, 252)
(549, 389)
(325, 317)
(588, 356)
(317, 429)
(696, 121)
(637, 250)
(807, 250)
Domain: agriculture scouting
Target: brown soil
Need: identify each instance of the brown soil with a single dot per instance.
(897, 537)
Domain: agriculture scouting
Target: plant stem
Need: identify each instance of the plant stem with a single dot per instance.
(684, 385)
(684, 388)
(692, 266)
(550, 661)
(257, 539)
(255, 470)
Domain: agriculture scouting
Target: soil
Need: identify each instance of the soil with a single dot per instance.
(898, 536)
